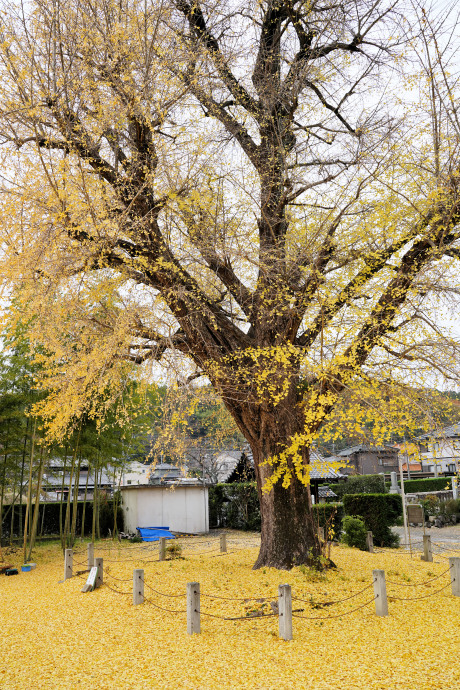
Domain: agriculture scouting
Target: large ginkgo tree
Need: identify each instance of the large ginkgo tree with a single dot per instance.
(261, 193)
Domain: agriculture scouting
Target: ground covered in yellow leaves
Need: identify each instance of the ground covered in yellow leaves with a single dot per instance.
(54, 636)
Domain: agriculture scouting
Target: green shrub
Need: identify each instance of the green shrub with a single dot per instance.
(433, 507)
(355, 532)
(379, 512)
(174, 550)
(452, 507)
(413, 486)
(363, 484)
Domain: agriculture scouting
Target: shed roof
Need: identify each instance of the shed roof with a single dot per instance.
(326, 492)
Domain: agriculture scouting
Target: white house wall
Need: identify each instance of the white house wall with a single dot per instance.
(182, 509)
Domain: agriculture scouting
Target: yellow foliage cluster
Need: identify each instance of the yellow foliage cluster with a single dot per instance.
(53, 636)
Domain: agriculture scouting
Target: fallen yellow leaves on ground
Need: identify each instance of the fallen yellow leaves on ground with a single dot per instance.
(53, 636)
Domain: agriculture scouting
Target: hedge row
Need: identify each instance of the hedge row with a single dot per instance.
(361, 484)
(379, 513)
(236, 506)
(48, 521)
(429, 484)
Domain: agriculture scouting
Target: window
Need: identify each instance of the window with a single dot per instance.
(129, 481)
(451, 468)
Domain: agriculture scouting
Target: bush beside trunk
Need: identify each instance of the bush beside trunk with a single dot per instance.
(379, 513)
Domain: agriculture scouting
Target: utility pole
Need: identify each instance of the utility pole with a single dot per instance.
(403, 496)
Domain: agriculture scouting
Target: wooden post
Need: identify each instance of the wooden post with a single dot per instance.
(380, 591)
(138, 587)
(223, 543)
(193, 608)
(370, 542)
(454, 564)
(285, 612)
(99, 563)
(68, 564)
(321, 532)
(90, 555)
(162, 548)
(427, 553)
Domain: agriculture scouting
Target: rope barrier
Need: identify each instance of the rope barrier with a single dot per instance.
(117, 591)
(149, 601)
(338, 601)
(419, 584)
(216, 596)
(339, 615)
(410, 543)
(444, 548)
(238, 618)
(163, 594)
(79, 562)
(106, 572)
(396, 552)
(424, 596)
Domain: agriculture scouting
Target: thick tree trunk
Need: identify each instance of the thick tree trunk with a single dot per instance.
(289, 534)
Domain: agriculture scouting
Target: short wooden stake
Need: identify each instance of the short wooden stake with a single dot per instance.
(427, 553)
(99, 563)
(285, 612)
(193, 608)
(90, 555)
(223, 543)
(162, 548)
(138, 587)
(380, 591)
(370, 542)
(321, 533)
(68, 564)
(454, 564)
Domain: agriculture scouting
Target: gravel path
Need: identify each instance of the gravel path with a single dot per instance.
(444, 535)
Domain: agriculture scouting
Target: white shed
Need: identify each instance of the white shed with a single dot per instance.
(181, 508)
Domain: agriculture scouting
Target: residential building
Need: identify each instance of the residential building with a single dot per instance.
(437, 451)
(135, 473)
(364, 459)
